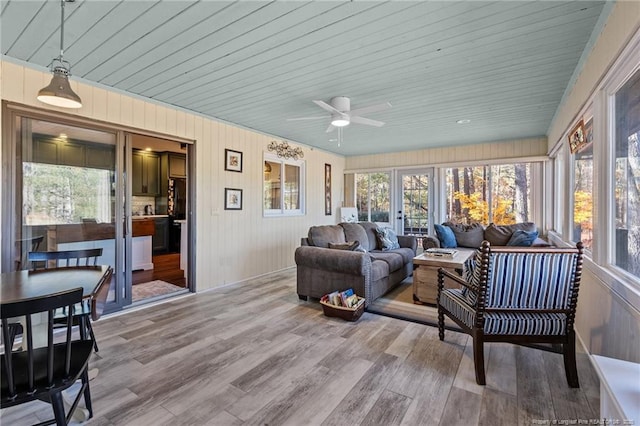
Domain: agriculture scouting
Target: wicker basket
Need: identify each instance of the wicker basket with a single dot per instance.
(348, 314)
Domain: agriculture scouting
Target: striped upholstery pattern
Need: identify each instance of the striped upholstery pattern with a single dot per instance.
(534, 324)
(530, 280)
(525, 324)
(472, 276)
(454, 301)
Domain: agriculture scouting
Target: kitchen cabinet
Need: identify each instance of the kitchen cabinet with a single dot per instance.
(145, 173)
(51, 150)
(161, 235)
(177, 166)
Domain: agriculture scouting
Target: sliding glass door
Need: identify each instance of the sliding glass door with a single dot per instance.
(67, 195)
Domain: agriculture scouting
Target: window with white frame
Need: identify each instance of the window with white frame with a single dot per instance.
(583, 190)
(373, 196)
(499, 194)
(626, 179)
(283, 186)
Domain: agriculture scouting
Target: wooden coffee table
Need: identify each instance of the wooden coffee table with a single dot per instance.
(425, 276)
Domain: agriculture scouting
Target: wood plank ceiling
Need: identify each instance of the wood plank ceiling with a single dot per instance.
(503, 65)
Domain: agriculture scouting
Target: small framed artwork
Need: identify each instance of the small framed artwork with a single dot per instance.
(577, 138)
(233, 160)
(327, 189)
(232, 199)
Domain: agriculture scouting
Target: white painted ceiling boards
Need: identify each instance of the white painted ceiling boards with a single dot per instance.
(503, 65)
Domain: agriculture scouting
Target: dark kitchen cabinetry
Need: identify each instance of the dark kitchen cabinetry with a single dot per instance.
(160, 239)
(145, 173)
(50, 150)
(177, 166)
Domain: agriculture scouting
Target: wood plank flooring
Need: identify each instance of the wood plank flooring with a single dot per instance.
(253, 354)
(166, 267)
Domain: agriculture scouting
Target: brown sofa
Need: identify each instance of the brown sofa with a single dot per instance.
(471, 236)
(371, 272)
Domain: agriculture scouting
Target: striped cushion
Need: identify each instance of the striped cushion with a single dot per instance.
(503, 323)
(472, 276)
(524, 324)
(530, 280)
(455, 302)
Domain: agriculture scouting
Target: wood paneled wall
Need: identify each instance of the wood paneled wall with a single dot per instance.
(459, 154)
(231, 246)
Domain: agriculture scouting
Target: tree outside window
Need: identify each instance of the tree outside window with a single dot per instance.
(497, 194)
(373, 197)
(626, 180)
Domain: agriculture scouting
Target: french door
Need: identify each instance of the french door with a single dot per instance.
(415, 198)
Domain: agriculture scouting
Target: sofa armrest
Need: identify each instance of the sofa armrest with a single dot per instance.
(343, 261)
(430, 242)
(408, 241)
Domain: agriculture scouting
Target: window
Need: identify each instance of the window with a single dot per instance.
(56, 194)
(499, 194)
(626, 180)
(583, 191)
(373, 197)
(283, 186)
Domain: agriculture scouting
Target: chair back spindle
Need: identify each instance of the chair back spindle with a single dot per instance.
(65, 258)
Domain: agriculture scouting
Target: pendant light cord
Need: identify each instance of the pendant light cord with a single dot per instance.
(61, 29)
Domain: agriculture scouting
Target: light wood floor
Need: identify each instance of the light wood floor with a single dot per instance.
(253, 354)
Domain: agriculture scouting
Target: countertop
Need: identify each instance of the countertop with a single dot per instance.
(149, 216)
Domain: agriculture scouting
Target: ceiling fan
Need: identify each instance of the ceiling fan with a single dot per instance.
(342, 115)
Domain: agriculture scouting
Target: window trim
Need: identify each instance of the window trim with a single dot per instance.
(301, 164)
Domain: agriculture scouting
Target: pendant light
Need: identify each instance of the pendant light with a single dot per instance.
(58, 92)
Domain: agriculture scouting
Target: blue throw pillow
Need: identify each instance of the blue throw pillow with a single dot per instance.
(446, 236)
(387, 239)
(522, 238)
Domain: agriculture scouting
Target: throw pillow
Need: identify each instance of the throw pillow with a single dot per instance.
(351, 246)
(446, 236)
(522, 238)
(387, 239)
(468, 235)
(499, 235)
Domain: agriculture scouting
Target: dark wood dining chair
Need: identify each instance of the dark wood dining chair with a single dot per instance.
(64, 258)
(93, 310)
(42, 373)
(74, 258)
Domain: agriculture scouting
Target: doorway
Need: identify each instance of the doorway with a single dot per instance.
(158, 207)
(414, 206)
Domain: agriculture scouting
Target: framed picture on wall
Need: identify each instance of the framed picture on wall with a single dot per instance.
(233, 160)
(232, 199)
(577, 137)
(327, 189)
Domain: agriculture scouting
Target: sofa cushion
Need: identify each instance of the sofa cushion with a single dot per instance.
(499, 235)
(467, 235)
(446, 236)
(394, 260)
(522, 238)
(321, 236)
(387, 239)
(355, 232)
(407, 254)
(349, 245)
(379, 270)
(372, 239)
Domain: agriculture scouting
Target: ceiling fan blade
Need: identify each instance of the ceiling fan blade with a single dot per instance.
(326, 107)
(307, 118)
(367, 121)
(371, 108)
(331, 128)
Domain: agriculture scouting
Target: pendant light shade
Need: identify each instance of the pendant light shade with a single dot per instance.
(58, 92)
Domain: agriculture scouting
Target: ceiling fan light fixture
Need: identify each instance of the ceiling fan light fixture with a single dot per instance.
(58, 92)
(339, 120)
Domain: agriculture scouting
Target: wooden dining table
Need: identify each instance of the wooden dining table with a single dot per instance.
(25, 285)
